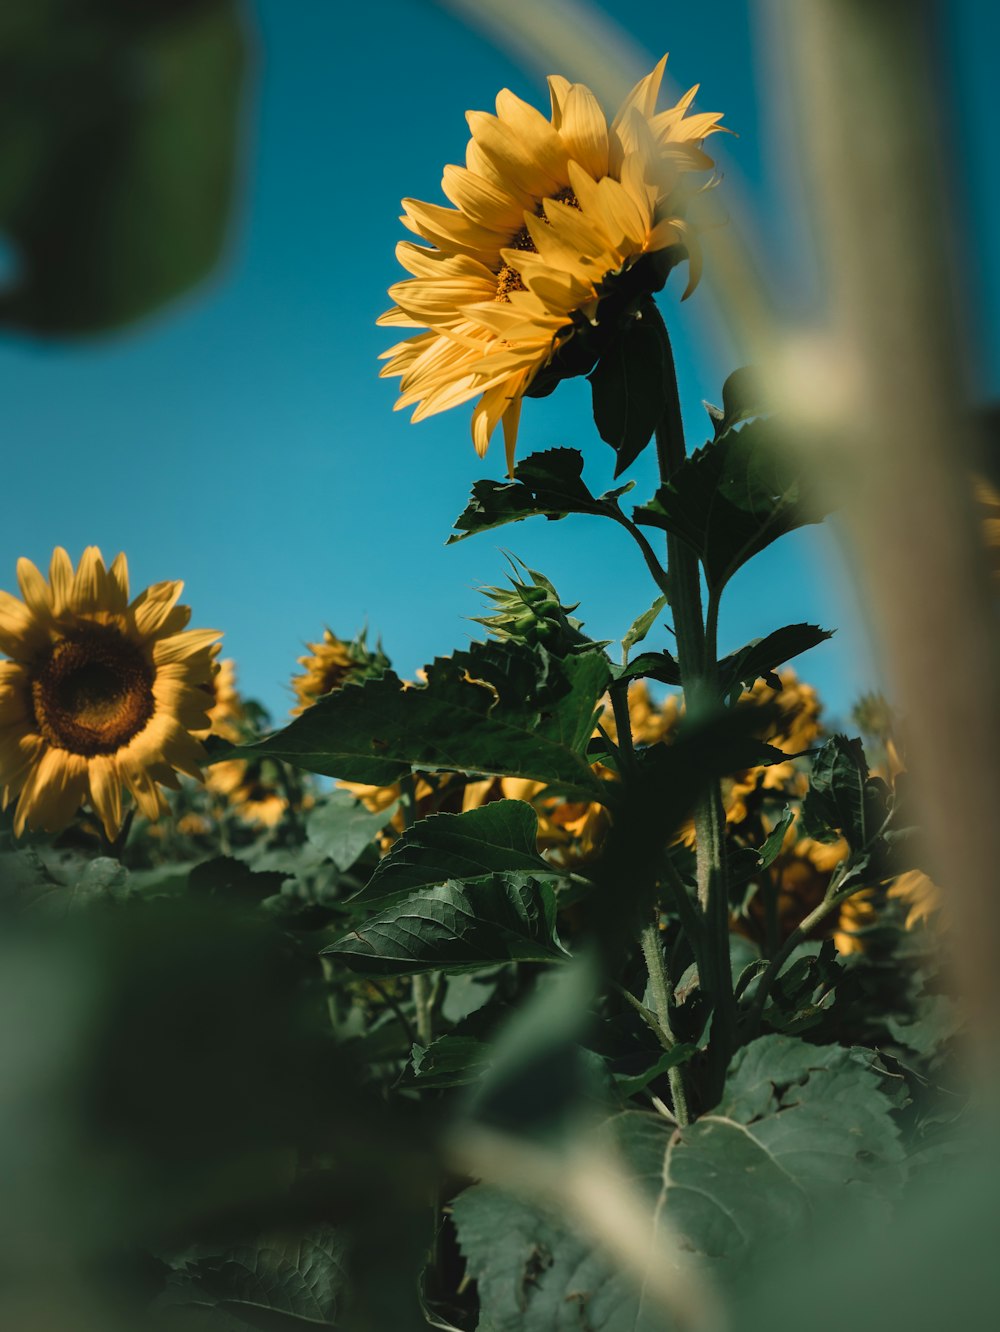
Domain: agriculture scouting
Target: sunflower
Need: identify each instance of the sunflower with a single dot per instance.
(226, 713)
(250, 790)
(99, 694)
(331, 664)
(549, 213)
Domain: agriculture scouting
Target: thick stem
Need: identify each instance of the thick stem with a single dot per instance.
(696, 657)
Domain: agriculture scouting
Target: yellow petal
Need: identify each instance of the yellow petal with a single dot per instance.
(106, 793)
(483, 201)
(153, 610)
(584, 130)
(89, 583)
(35, 590)
(60, 580)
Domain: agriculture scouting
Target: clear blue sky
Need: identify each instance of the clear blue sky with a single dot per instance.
(242, 441)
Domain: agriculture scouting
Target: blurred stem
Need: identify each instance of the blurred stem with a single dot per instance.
(115, 848)
(424, 988)
(696, 658)
(659, 984)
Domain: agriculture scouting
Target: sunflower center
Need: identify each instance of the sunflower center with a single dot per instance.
(508, 278)
(92, 692)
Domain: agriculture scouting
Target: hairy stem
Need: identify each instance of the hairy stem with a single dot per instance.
(659, 984)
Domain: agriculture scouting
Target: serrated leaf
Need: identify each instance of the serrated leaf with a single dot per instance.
(801, 1129)
(659, 666)
(549, 484)
(341, 827)
(456, 927)
(629, 390)
(641, 625)
(732, 498)
(121, 134)
(836, 797)
(741, 400)
(500, 836)
(276, 1284)
(761, 658)
(454, 1060)
(501, 709)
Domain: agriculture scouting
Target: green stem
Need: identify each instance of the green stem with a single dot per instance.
(696, 657)
(423, 985)
(659, 984)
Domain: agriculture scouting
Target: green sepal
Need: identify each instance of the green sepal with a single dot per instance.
(629, 391)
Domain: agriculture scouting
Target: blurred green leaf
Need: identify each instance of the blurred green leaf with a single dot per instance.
(641, 625)
(456, 927)
(341, 827)
(118, 134)
(549, 483)
(499, 836)
(275, 1284)
(500, 708)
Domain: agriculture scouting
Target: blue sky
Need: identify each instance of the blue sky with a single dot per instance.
(242, 441)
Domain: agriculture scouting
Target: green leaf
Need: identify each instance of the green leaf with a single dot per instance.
(451, 1061)
(224, 877)
(837, 792)
(641, 626)
(549, 483)
(121, 127)
(502, 709)
(456, 927)
(631, 1084)
(497, 837)
(659, 666)
(761, 658)
(801, 1130)
(747, 862)
(732, 498)
(629, 391)
(741, 400)
(341, 827)
(276, 1284)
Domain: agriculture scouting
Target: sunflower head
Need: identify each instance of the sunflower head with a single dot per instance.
(561, 227)
(99, 695)
(531, 612)
(227, 715)
(332, 663)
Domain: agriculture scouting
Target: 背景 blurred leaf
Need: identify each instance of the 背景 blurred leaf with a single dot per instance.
(549, 483)
(340, 826)
(642, 624)
(499, 836)
(501, 709)
(274, 1284)
(118, 135)
(457, 926)
(836, 800)
(731, 498)
(801, 1130)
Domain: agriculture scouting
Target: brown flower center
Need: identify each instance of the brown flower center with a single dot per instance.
(509, 279)
(92, 692)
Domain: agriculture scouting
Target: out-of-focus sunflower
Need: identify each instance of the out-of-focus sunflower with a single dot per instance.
(226, 713)
(794, 723)
(550, 213)
(99, 694)
(253, 794)
(331, 664)
(988, 504)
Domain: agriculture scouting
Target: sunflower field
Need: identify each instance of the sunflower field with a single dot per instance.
(561, 983)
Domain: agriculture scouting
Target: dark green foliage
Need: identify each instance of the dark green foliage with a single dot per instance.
(119, 127)
(732, 498)
(761, 658)
(498, 837)
(457, 926)
(629, 388)
(503, 709)
(549, 483)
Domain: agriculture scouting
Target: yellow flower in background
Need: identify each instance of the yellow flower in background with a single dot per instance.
(330, 665)
(988, 504)
(548, 212)
(248, 791)
(226, 713)
(100, 695)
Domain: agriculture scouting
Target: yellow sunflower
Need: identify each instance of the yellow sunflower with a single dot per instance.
(548, 213)
(225, 713)
(99, 694)
(330, 664)
(249, 791)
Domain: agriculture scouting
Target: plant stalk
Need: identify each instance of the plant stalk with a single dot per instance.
(659, 983)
